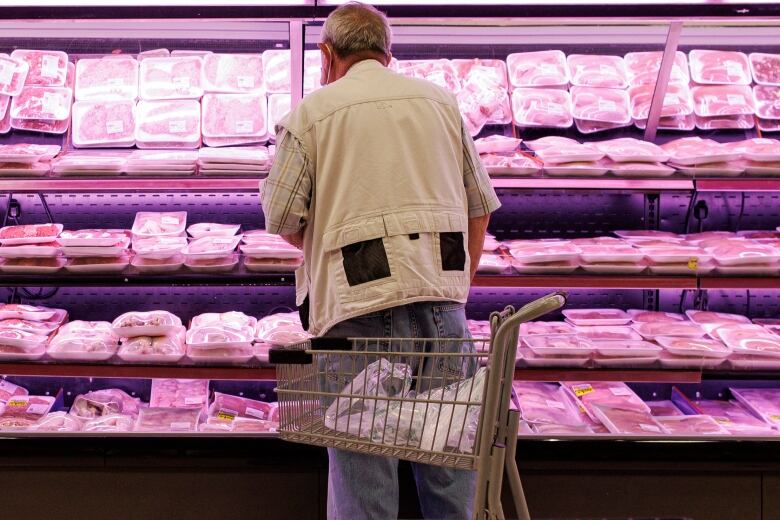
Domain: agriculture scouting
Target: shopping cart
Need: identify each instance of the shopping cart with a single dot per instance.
(435, 401)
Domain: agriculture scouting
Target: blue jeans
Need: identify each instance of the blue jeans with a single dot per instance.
(365, 487)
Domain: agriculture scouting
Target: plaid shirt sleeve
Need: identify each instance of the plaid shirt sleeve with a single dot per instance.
(481, 196)
(286, 193)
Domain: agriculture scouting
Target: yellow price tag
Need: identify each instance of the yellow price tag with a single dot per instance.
(693, 263)
(774, 418)
(581, 390)
(722, 420)
(225, 416)
(15, 403)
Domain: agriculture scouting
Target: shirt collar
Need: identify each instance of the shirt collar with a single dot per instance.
(364, 64)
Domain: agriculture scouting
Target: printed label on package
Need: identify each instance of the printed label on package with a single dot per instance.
(7, 69)
(244, 127)
(226, 415)
(621, 391)
(580, 390)
(607, 105)
(245, 81)
(181, 82)
(736, 99)
(37, 409)
(181, 425)
(733, 69)
(174, 221)
(50, 103)
(50, 66)
(114, 82)
(254, 412)
(555, 404)
(176, 127)
(650, 428)
(115, 127)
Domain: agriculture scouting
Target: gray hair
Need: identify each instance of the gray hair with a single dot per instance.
(354, 28)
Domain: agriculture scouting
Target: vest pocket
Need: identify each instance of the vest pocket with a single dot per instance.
(452, 251)
(365, 261)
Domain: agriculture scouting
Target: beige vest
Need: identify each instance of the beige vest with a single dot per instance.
(388, 216)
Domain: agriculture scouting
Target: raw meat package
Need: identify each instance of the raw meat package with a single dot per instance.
(566, 345)
(675, 123)
(748, 253)
(230, 407)
(179, 393)
(158, 349)
(626, 421)
(517, 163)
(233, 73)
(28, 153)
(47, 103)
(538, 69)
(154, 53)
(167, 420)
(764, 402)
(235, 115)
(220, 337)
(99, 403)
(627, 149)
(722, 100)
(158, 248)
(586, 126)
(605, 393)
(441, 72)
(270, 248)
(29, 234)
(608, 333)
(5, 122)
(678, 100)
(206, 229)
(171, 78)
(152, 224)
(542, 107)
(496, 144)
(532, 328)
(21, 340)
(32, 313)
(544, 403)
(664, 409)
(653, 330)
(153, 323)
(691, 425)
(494, 71)
(597, 71)
(602, 105)
(767, 101)
(89, 163)
(278, 107)
(41, 328)
(110, 423)
(13, 73)
(733, 417)
(22, 411)
(757, 149)
(556, 150)
(211, 247)
(223, 264)
(106, 79)
(42, 125)
(580, 317)
(234, 319)
(740, 122)
(9, 390)
(92, 340)
(93, 237)
(492, 264)
(690, 151)
(639, 169)
(643, 67)
(281, 329)
(59, 422)
(276, 70)
(750, 341)
(543, 251)
(104, 123)
(45, 68)
(709, 317)
(479, 100)
(765, 68)
(719, 67)
(161, 123)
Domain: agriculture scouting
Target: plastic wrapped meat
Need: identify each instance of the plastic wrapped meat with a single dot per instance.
(757, 149)
(707, 317)
(5, 122)
(107, 79)
(179, 393)
(167, 420)
(765, 402)
(212, 246)
(689, 151)
(32, 313)
(49, 103)
(733, 417)
(99, 403)
(9, 390)
(678, 329)
(171, 78)
(627, 149)
(43, 125)
(160, 122)
(278, 107)
(269, 247)
(600, 104)
(110, 423)
(13, 74)
(750, 341)
(767, 101)
(491, 263)
(596, 316)
(676, 123)
(41, 328)
(664, 409)
(21, 340)
(233, 73)
(22, 411)
(168, 224)
(496, 144)
(169, 348)
(740, 122)
(691, 425)
(441, 72)
(235, 115)
(765, 68)
(544, 403)
(719, 67)
(722, 100)
(219, 336)
(478, 102)
(234, 319)
(597, 71)
(159, 248)
(643, 67)
(608, 333)
(627, 422)
(565, 345)
(29, 234)
(5, 103)
(153, 323)
(545, 328)
(557, 150)
(232, 406)
(538, 69)
(276, 71)
(104, 123)
(45, 68)
(244, 424)
(607, 393)
(678, 100)
(281, 329)
(59, 422)
(744, 254)
(494, 70)
(355, 415)
(585, 126)
(84, 340)
(541, 251)
(542, 107)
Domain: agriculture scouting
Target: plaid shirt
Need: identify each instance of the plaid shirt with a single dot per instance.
(286, 193)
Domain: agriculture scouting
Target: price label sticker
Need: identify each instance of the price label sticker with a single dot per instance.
(650, 428)
(114, 127)
(733, 69)
(693, 263)
(244, 127)
(114, 82)
(722, 420)
(181, 426)
(17, 403)
(37, 409)
(245, 82)
(606, 105)
(580, 390)
(621, 391)
(736, 99)
(181, 82)
(607, 70)
(226, 416)
(7, 69)
(174, 221)
(50, 103)
(548, 68)
(176, 127)
(50, 66)
(671, 99)
(556, 404)
(254, 412)
(222, 241)
(555, 109)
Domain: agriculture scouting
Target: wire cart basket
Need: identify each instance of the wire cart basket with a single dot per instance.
(444, 401)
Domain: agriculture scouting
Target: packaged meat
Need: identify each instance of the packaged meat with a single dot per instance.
(552, 345)
(153, 323)
(767, 101)
(219, 337)
(230, 407)
(722, 100)
(179, 393)
(627, 149)
(272, 265)
(639, 169)
(167, 122)
(45, 68)
(576, 169)
(678, 100)
(605, 393)
(764, 402)
(9, 390)
(163, 266)
(647, 234)
(653, 330)
(608, 333)
(21, 339)
(164, 224)
(538, 69)
(29, 234)
(675, 123)
(664, 409)
(492, 264)
(235, 115)
(158, 248)
(84, 340)
(153, 53)
(209, 229)
(104, 123)
(744, 254)
(13, 74)
(281, 329)
(671, 254)
(233, 73)
(239, 355)
(690, 151)
(48, 250)
(107, 79)
(98, 264)
(48, 103)
(5, 121)
(544, 403)
(32, 265)
(478, 102)
(642, 68)
(496, 144)
(691, 425)
(619, 253)
(247, 425)
(585, 126)
(171, 78)
(719, 67)
(628, 422)
(154, 349)
(167, 420)
(765, 125)
(234, 319)
(631, 350)
(110, 423)
(118, 249)
(59, 422)
(41, 328)
(733, 417)
(603, 105)
(212, 265)
(542, 107)
(614, 268)
(89, 163)
(556, 150)
(211, 247)
(494, 71)
(709, 317)
(22, 411)
(581, 317)
(278, 107)
(441, 72)
(92, 237)
(99, 403)
(544, 251)
(764, 67)
(597, 71)
(750, 341)
(517, 163)
(740, 122)
(757, 149)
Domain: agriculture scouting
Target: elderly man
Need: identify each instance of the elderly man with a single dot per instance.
(377, 180)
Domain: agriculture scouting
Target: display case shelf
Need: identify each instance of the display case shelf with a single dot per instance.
(587, 281)
(738, 184)
(640, 185)
(129, 184)
(600, 374)
(740, 282)
(246, 372)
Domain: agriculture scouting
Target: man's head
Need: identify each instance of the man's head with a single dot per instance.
(352, 33)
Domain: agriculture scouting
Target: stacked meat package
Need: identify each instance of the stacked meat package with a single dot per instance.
(158, 241)
(31, 249)
(44, 102)
(150, 337)
(234, 161)
(212, 248)
(25, 331)
(264, 252)
(226, 337)
(29, 160)
(276, 71)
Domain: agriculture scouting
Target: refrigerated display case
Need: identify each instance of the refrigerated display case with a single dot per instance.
(489, 55)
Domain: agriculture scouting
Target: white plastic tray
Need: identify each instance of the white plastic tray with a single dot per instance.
(668, 360)
(558, 345)
(624, 362)
(229, 263)
(115, 267)
(626, 348)
(532, 360)
(30, 251)
(580, 317)
(548, 268)
(24, 355)
(598, 268)
(31, 269)
(170, 265)
(686, 347)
